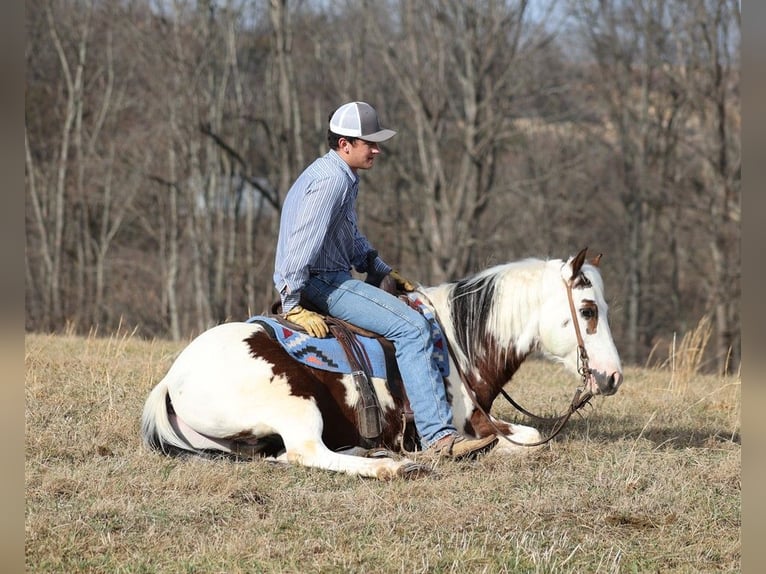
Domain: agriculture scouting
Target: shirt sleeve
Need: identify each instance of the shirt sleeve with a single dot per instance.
(362, 249)
(381, 266)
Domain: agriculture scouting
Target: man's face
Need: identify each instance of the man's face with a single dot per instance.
(358, 155)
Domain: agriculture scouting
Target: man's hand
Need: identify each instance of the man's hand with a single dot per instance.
(312, 322)
(402, 282)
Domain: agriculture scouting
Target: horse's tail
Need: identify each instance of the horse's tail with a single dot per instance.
(156, 430)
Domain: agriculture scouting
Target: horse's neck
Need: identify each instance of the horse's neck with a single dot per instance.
(504, 345)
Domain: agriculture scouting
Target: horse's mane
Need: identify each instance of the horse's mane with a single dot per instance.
(496, 305)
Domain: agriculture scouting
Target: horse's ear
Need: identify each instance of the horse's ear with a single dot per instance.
(596, 260)
(577, 263)
(571, 269)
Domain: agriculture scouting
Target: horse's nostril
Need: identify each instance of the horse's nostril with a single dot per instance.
(614, 380)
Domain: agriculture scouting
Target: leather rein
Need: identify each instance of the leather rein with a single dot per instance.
(580, 399)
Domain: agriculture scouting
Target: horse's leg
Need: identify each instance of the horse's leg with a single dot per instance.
(368, 452)
(301, 431)
(299, 424)
(518, 435)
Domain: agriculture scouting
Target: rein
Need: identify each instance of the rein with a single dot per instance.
(581, 396)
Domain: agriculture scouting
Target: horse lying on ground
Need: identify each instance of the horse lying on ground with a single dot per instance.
(234, 389)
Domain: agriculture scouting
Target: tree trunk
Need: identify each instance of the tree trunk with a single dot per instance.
(74, 88)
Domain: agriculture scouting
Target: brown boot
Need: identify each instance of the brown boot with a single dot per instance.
(458, 447)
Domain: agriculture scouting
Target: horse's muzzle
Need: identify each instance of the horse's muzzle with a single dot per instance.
(612, 383)
(601, 384)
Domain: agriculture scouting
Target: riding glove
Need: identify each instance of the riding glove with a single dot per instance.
(312, 322)
(402, 282)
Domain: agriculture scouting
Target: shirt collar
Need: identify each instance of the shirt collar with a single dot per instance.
(333, 156)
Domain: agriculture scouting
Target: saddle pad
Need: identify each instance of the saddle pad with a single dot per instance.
(321, 353)
(328, 355)
(440, 356)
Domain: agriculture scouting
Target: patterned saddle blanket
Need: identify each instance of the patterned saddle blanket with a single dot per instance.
(328, 354)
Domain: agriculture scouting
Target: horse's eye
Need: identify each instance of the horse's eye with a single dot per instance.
(588, 313)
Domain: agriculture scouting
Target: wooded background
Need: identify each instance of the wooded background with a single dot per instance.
(162, 136)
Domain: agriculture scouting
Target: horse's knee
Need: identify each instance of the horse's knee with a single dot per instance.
(520, 438)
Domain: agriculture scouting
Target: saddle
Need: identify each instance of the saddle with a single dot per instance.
(364, 354)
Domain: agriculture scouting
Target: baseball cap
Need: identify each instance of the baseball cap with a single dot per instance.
(359, 120)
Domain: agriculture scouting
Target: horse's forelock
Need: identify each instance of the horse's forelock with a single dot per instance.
(594, 276)
(593, 280)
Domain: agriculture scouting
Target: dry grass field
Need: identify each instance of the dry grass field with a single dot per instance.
(646, 481)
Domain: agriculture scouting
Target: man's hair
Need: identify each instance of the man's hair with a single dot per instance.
(333, 139)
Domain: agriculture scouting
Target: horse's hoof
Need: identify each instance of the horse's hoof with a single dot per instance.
(412, 470)
(379, 453)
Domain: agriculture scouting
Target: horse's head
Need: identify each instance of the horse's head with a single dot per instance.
(558, 335)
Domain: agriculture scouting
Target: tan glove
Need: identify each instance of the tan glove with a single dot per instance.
(402, 282)
(312, 322)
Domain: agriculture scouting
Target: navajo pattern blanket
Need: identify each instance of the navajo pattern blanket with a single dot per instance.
(327, 354)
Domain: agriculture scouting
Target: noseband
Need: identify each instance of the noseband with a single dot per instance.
(582, 354)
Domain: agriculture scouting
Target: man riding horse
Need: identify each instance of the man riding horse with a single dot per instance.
(319, 243)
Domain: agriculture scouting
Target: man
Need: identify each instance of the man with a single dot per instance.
(319, 243)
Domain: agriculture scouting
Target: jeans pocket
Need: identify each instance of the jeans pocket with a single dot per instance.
(320, 291)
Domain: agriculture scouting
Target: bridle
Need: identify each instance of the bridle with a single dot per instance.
(581, 396)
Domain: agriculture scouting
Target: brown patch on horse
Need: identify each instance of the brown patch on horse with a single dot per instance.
(323, 386)
(328, 391)
(589, 310)
(478, 425)
(493, 370)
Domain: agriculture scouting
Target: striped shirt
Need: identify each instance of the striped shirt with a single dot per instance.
(318, 231)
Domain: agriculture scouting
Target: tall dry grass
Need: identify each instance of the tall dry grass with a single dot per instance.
(646, 481)
(687, 358)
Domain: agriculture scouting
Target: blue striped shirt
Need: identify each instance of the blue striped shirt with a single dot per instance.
(318, 230)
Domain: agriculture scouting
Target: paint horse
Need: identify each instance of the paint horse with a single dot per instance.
(234, 389)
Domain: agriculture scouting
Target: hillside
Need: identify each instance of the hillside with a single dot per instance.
(646, 480)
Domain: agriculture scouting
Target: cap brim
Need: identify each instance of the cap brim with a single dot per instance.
(380, 136)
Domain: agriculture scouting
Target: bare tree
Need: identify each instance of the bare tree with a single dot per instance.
(79, 221)
(455, 65)
(625, 41)
(708, 42)
(202, 173)
(288, 128)
(161, 137)
(667, 100)
(47, 185)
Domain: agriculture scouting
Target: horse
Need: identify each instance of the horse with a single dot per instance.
(235, 391)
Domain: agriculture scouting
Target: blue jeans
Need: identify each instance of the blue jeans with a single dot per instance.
(340, 295)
